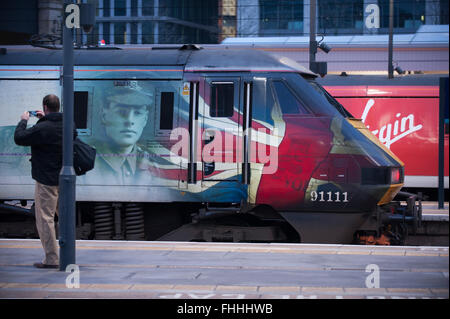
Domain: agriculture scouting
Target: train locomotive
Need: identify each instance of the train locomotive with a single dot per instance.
(204, 144)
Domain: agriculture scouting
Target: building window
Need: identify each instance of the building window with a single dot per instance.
(106, 32)
(133, 35)
(120, 30)
(443, 9)
(147, 8)
(147, 32)
(408, 15)
(340, 17)
(106, 8)
(120, 7)
(279, 17)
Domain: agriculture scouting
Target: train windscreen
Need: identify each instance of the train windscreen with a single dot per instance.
(341, 109)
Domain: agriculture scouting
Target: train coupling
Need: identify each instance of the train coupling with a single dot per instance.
(396, 220)
(409, 215)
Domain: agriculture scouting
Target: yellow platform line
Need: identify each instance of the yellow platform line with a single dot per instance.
(239, 247)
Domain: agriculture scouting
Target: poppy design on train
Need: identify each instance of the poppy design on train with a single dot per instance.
(210, 144)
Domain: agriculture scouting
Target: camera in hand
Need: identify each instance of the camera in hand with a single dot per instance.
(33, 113)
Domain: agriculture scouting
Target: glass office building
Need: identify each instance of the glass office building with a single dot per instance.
(210, 21)
(156, 21)
(344, 17)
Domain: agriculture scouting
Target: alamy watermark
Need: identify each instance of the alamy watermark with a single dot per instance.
(373, 279)
(227, 146)
(372, 20)
(73, 279)
(73, 17)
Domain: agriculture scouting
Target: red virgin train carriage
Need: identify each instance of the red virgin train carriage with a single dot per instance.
(205, 144)
(403, 113)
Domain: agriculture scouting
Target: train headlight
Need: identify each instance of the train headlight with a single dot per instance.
(396, 175)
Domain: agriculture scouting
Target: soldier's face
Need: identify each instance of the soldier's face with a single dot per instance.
(124, 123)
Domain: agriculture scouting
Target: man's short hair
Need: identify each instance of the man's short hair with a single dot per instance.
(52, 102)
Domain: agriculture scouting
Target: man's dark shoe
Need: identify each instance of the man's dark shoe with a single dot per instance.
(41, 265)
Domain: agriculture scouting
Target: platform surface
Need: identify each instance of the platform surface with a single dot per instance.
(431, 212)
(181, 270)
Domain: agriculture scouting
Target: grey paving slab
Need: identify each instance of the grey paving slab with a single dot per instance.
(161, 270)
(431, 212)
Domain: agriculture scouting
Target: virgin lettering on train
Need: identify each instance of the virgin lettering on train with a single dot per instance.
(399, 127)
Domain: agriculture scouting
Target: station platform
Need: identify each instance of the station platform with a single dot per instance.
(188, 270)
(431, 212)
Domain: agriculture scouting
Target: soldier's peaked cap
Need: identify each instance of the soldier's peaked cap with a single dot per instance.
(129, 96)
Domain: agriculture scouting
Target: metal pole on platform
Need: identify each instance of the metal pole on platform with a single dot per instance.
(67, 176)
(312, 35)
(391, 40)
(443, 103)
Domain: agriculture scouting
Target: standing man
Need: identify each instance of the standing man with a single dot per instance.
(45, 139)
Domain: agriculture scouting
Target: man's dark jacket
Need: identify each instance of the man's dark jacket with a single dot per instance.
(45, 139)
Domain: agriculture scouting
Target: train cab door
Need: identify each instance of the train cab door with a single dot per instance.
(221, 131)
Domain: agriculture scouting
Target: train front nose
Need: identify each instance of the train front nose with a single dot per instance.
(382, 174)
